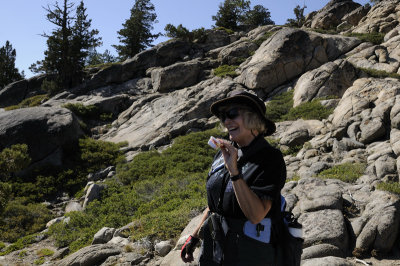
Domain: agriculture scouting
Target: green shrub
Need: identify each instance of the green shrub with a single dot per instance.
(373, 37)
(13, 159)
(391, 187)
(308, 110)
(21, 218)
(22, 254)
(229, 31)
(347, 172)
(2, 246)
(279, 105)
(292, 150)
(39, 261)
(263, 38)
(380, 73)
(98, 154)
(45, 252)
(19, 244)
(88, 111)
(226, 70)
(161, 192)
(29, 102)
(50, 86)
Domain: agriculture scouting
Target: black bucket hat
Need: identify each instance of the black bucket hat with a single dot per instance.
(250, 100)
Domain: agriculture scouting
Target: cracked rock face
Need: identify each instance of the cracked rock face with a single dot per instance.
(288, 53)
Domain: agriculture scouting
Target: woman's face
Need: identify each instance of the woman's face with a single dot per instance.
(232, 120)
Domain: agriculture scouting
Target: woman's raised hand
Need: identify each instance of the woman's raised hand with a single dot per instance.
(230, 154)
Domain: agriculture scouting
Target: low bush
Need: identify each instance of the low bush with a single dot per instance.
(380, 73)
(88, 111)
(390, 186)
(226, 70)
(18, 245)
(263, 38)
(347, 172)
(308, 110)
(39, 261)
(12, 160)
(20, 218)
(229, 31)
(329, 31)
(29, 102)
(373, 37)
(45, 252)
(279, 105)
(22, 214)
(160, 193)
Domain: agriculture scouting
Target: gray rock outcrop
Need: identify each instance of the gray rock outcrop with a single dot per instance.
(44, 130)
(289, 53)
(90, 255)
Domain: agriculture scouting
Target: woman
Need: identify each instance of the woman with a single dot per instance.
(243, 189)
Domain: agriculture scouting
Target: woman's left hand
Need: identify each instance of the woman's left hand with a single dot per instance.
(230, 154)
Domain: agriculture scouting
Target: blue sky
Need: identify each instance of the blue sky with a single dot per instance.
(22, 21)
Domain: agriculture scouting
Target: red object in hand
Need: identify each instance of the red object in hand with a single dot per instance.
(188, 248)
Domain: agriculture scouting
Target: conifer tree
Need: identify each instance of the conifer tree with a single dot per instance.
(136, 34)
(300, 18)
(68, 44)
(8, 72)
(230, 13)
(257, 16)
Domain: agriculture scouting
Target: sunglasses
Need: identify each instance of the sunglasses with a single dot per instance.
(231, 114)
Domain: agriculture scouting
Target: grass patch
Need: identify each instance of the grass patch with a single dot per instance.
(29, 102)
(380, 73)
(229, 31)
(45, 252)
(373, 37)
(88, 111)
(308, 110)
(20, 244)
(39, 261)
(263, 38)
(390, 187)
(226, 70)
(347, 172)
(279, 105)
(159, 193)
(20, 212)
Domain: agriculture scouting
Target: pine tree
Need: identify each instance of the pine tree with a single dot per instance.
(68, 44)
(83, 39)
(300, 18)
(8, 72)
(230, 13)
(257, 16)
(136, 34)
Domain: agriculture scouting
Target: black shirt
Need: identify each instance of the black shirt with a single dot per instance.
(263, 169)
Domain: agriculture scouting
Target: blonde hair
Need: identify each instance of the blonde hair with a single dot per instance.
(251, 119)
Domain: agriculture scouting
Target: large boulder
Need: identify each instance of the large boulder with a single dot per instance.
(377, 227)
(45, 130)
(17, 91)
(330, 79)
(146, 123)
(91, 255)
(178, 75)
(331, 15)
(383, 17)
(364, 95)
(289, 53)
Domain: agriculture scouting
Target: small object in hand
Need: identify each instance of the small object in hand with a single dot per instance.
(214, 143)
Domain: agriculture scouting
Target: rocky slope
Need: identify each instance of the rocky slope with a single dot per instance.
(165, 92)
